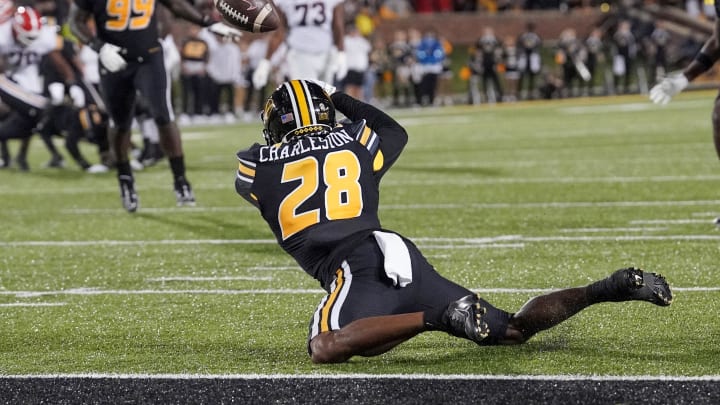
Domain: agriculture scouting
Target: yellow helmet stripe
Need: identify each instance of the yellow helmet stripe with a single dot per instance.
(302, 101)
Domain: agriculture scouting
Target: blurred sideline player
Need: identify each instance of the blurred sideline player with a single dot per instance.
(24, 40)
(131, 60)
(314, 33)
(84, 118)
(7, 8)
(676, 82)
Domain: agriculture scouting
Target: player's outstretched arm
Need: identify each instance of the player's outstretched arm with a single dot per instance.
(262, 71)
(109, 54)
(676, 82)
(393, 136)
(78, 21)
(186, 11)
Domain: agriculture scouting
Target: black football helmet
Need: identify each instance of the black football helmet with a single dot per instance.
(297, 107)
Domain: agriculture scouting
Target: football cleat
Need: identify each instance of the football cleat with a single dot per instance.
(717, 222)
(55, 162)
(22, 164)
(128, 196)
(184, 193)
(97, 168)
(464, 318)
(634, 284)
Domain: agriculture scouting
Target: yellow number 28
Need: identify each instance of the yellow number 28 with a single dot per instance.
(129, 14)
(343, 194)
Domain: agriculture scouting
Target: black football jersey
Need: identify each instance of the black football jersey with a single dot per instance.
(318, 193)
(128, 24)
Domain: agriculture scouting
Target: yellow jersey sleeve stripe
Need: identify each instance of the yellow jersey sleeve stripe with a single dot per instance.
(365, 136)
(246, 170)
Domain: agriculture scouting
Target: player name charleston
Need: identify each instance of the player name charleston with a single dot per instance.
(303, 145)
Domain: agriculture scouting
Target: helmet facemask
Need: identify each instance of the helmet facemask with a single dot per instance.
(297, 107)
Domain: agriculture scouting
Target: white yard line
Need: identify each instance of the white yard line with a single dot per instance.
(671, 221)
(417, 181)
(504, 241)
(285, 291)
(32, 304)
(219, 278)
(599, 230)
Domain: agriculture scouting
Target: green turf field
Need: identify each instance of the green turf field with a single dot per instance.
(507, 200)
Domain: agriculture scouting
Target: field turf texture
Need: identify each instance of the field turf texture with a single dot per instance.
(509, 200)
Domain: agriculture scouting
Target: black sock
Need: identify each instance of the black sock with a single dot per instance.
(604, 290)
(433, 319)
(177, 165)
(123, 169)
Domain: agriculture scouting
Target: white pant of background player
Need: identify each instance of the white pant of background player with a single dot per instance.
(311, 65)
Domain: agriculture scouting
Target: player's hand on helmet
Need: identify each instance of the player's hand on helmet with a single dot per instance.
(225, 31)
(77, 94)
(668, 87)
(327, 87)
(57, 93)
(341, 66)
(111, 59)
(261, 74)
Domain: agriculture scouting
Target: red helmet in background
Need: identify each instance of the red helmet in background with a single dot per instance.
(26, 25)
(7, 8)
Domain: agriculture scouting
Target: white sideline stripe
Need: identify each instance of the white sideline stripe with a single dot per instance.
(593, 230)
(33, 304)
(243, 208)
(429, 243)
(273, 268)
(549, 180)
(97, 291)
(419, 181)
(628, 107)
(670, 221)
(531, 377)
(579, 204)
(219, 278)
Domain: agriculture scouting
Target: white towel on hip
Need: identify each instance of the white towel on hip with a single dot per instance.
(397, 257)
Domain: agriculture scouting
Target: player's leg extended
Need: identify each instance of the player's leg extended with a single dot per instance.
(119, 99)
(545, 311)
(365, 337)
(716, 124)
(716, 134)
(153, 83)
(365, 314)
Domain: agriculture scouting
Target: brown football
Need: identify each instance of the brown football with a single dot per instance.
(249, 15)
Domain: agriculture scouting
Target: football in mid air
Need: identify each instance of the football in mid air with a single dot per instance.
(249, 15)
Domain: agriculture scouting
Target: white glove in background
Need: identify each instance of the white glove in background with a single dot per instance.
(57, 93)
(668, 87)
(111, 59)
(341, 66)
(226, 31)
(261, 74)
(77, 94)
(327, 87)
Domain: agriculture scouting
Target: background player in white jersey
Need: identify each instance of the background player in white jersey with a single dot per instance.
(314, 32)
(24, 40)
